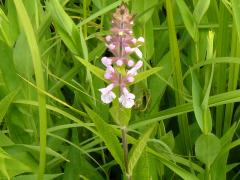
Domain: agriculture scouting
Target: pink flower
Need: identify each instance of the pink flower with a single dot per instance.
(130, 63)
(111, 46)
(119, 62)
(128, 49)
(121, 43)
(108, 38)
(133, 71)
(106, 61)
(107, 95)
(109, 72)
(127, 98)
(130, 79)
(138, 52)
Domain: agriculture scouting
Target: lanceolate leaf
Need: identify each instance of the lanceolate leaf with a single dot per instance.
(94, 69)
(188, 19)
(5, 103)
(138, 149)
(108, 136)
(200, 9)
(143, 75)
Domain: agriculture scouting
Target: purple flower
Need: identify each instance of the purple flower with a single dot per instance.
(121, 44)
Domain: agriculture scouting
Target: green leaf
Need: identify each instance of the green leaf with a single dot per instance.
(138, 149)
(200, 9)
(143, 75)
(5, 103)
(236, 15)
(49, 151)
(149, 39)
(219, 167)
(147, 167)
(202, 114)
(101, 12)
(197, 99)
(4, 28)
(34, 177)
(107, 136)
(5, 140)
(207, 148)
(184, 174)
(9, 166)
(22, 55)
(78, 164)
(120, 114)
(144, 9)
(188, 19)
(94, 69)
(65, 27)
(28, 30)
(7, 67)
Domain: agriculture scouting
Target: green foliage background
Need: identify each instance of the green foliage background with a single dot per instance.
(185, 121)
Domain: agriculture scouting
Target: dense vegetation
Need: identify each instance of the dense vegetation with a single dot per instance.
(184, 123)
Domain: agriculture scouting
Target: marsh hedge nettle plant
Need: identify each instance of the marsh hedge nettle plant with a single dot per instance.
(120, 68)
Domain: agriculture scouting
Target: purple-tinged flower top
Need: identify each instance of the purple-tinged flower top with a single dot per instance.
(121, 44)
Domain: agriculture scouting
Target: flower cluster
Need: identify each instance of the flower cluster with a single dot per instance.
(120, 70)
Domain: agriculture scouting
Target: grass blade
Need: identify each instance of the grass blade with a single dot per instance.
(27, 28)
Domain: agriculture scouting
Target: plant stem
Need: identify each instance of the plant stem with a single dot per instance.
(125, 151)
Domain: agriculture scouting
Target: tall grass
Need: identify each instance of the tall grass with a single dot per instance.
(184, 124)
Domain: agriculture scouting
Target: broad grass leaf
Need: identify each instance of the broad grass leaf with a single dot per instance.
(22, 55)
(107, 136)
(207, 148)
(144, 9)
(10, 167)
(27, 28)
(197, 99)
(4, 25)
(143, 75)
(147, 167)
(200, 9)
(65, 27)
(138, 149)
(188, 19)
(5, 140)
(3, 168)
(5, 103)
(149, 39)
(184, 174)
(94, 69)
(236, 15)
(202, 114)
(9, 74)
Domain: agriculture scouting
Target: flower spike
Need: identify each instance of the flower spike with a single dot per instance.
(121, 43)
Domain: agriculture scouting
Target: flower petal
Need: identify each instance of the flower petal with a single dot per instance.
(138, 52)
(106, 61)
(126, 99)
(108, 98)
